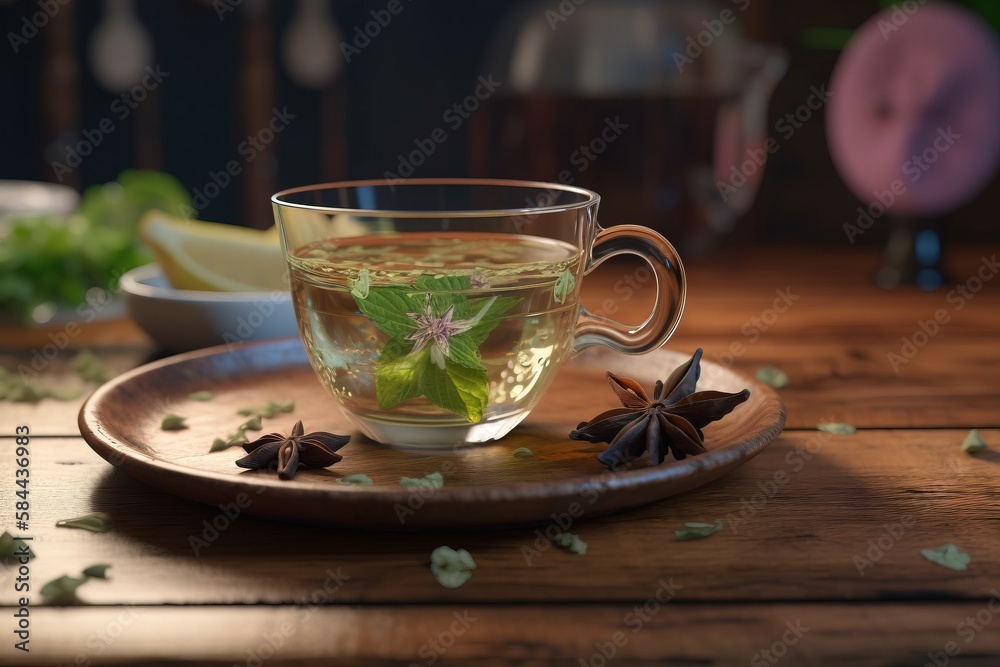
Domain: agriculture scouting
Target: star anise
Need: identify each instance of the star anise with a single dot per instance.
(313, 450)
(671, 422)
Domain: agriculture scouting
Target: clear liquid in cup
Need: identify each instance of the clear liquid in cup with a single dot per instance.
(521, 354)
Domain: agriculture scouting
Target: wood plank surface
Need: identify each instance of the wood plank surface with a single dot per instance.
(818, 528)
(796, 517)
(835, 341)
(672, 633)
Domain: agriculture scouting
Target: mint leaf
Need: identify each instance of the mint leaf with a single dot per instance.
(398, 376)
(443, 293)
(489, 320)
(361, 285)
(464, 391)
(947, 555)
(463, 351)
(387, 308)
(564, 286)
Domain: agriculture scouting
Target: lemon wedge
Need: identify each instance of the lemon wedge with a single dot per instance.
(214, 256)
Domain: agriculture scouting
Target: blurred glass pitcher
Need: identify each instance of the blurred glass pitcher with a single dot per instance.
(677, 74)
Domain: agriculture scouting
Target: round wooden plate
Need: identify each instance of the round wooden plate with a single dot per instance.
(484, 485)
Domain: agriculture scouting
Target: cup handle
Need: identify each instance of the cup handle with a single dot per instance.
(671, 290)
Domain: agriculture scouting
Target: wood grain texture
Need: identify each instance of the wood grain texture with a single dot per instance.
(484, 485)
(801, 518)
(674, 633)
(796, 516)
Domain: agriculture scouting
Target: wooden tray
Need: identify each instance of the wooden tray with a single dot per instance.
(484, 485)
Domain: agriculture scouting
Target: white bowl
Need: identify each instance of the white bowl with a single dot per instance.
(182, 320)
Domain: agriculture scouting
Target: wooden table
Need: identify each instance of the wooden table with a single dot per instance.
(819, 562)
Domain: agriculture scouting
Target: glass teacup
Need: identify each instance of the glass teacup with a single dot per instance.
(437, 311)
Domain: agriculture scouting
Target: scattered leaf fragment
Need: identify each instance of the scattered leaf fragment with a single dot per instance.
(173, 423)
(772, 376)
(435, 480)
(201, 395)
(523, 452)
(696, 530)
(97, 571)
(452, 568)
(947, 555)
(90, 368)
(269, 410)
(973, 442)
(62, 591)
(359, 286)
(836, 428)
(20, 390)
(571, 543)
(356, 480)
(238, 438)
(564, 286)
(96, 522)
(11, 547)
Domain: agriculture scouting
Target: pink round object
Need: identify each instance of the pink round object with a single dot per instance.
(914, 115)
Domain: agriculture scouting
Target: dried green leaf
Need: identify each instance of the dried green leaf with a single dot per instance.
(64, 393)
(435, 480)
(973, 442)
(836, 428)
(694, 530)
(97, 571)
(772, 377)
(523, 452)
(269, 410)
(359, 286)
(96, 522)
(62, 591)
(90, 368)
(571, 543)
(356, 480)
(173, 423)
(13, 547)
(238, 438)
(564, 286)
(201, 395)
(947, 555)
(452, 568)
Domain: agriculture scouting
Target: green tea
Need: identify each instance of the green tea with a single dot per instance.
(430, 338)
